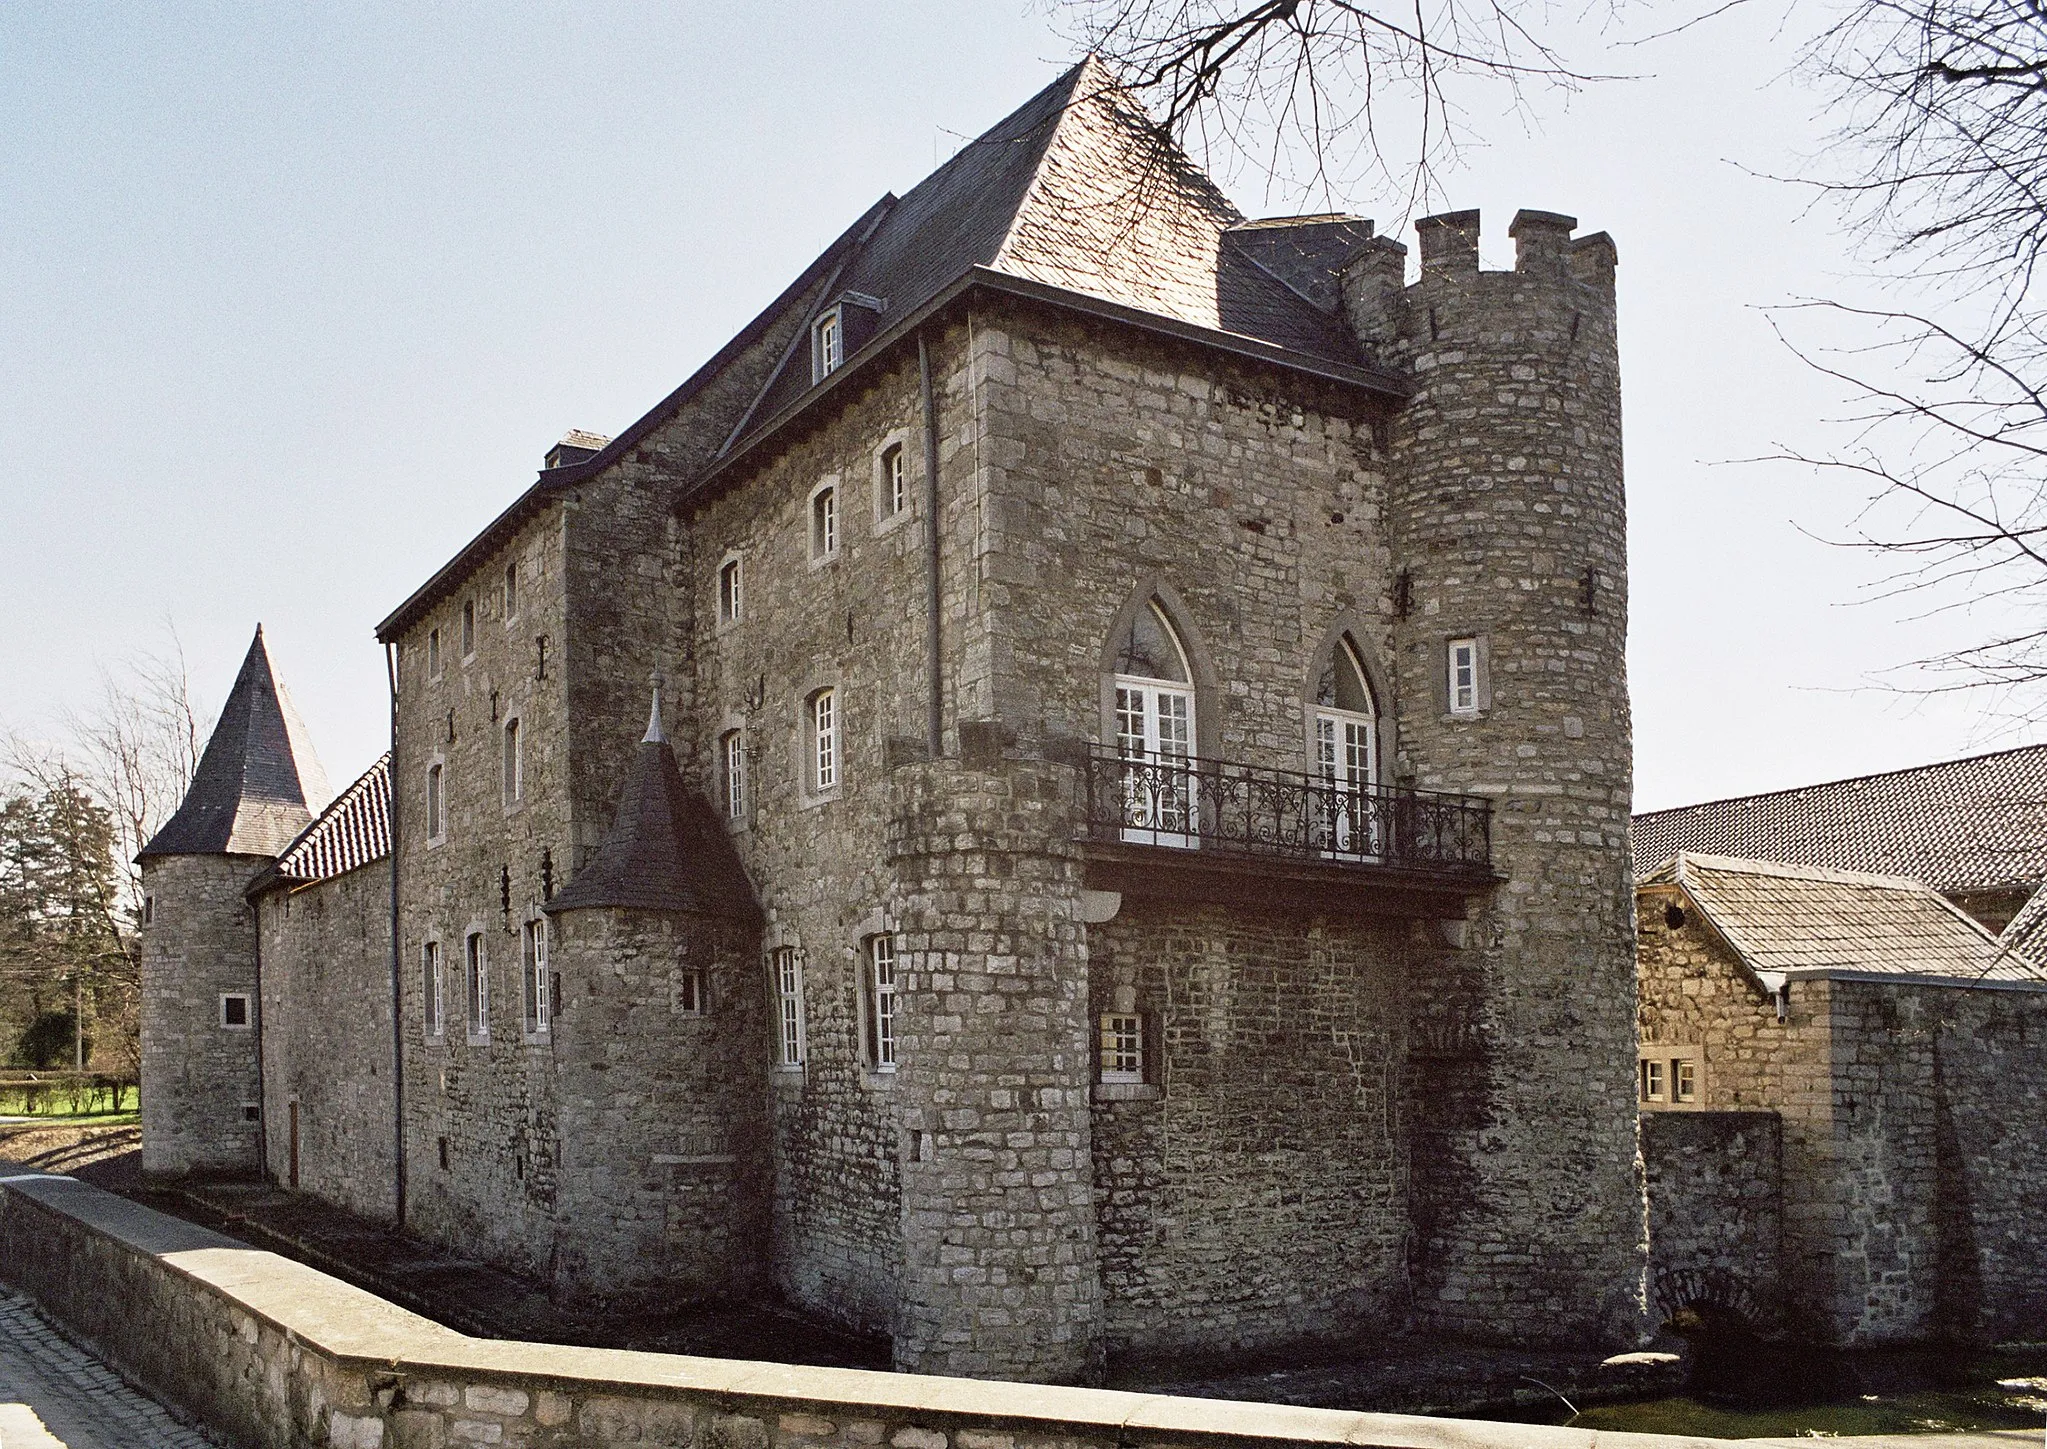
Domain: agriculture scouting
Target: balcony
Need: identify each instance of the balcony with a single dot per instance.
(1214, 830)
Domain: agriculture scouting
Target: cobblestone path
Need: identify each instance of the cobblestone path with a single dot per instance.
(56, 1396)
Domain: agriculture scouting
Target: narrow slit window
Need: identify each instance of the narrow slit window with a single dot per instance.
(732, 755)
(1122, 1047)
(476, 975)
(895, 493)
(824, 740)
(515, 771)
(824, 522)
(468, 627)
(881, 1003)
(511, 592)
(433, 653)
(690, 990)
(1463, 676)
(436, 802)
(731, 591)
(788, 1007)
(430, 986)
(533, 957)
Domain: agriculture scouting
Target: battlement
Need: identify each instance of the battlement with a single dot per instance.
(1543, 245)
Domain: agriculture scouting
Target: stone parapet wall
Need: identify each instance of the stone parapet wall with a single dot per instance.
(271, 1353)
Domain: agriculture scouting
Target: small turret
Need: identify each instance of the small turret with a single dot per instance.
(256, 787)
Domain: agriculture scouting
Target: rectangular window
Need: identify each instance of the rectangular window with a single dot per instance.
(895, 493)
(533, 970)
(234, 1010)
(824, 523)
(1464, 676)
(690, 993)
(732, 760)
(788, 1007)
(430, 986)
(511, 592)
(1122, 1047)
(731, 591)
(515, 775)
(436, 805)
(881, 1003)
(468, 627)
(1684, 1080)
(148, 910)
(828, 346)
(824, 740)
(433, 653)
(1652, 1081)
(476, 974)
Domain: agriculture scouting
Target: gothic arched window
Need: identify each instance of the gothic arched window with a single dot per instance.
(1346, 756)
(1154, 722)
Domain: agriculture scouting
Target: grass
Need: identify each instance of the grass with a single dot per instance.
(66, 1101)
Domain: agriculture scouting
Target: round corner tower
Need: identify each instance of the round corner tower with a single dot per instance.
(1508, 526)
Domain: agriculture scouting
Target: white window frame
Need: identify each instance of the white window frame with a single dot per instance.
(248, 1001)
(512, 760)
(476, 986)
(827, 344)
(468, 628)
(533, 983)
(732, 774)
(1151, 705)
(785, 965)
(511, 593)
(1345, 759)
(822, 523)
(1650, 1083)
(432, 988)
(824, 743)
(1120, 1043)
(436, 800)
(731, 603)
(1463, 676)
(881, 999)
(893, 501)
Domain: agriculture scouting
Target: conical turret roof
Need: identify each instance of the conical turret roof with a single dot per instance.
(258, 782)
(666, 850)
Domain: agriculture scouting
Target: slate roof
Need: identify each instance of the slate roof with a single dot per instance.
(666, 850)
(1807, 920)
(1958, 825)
(352, 832)
(1075, 199)
(258, 780)
(2026, 932)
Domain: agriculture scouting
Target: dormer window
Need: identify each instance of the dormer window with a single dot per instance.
(828, 345)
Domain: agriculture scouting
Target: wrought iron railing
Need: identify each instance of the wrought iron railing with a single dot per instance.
(1199, 804)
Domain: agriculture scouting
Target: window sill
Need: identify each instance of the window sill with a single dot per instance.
(479, 1039)
(535, 1038)
(824, 560)
(786, 1079)
(888, 523)
(878, 1079)
(435, 842)
(1128, 1092)
(823, 797)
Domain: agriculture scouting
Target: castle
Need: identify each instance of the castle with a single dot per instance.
(1065, 795)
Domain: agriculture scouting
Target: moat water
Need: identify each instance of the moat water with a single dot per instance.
(1769, 1392)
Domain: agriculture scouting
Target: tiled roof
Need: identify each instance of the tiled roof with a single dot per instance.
(258, 781)
(666, 851)
(1792, 918)
(352, 832)
(1078, 190)
(2026, 932)
(1961, 824)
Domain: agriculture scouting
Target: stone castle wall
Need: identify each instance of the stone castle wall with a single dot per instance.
(327, 1058)
(483, 1104)
(1255, 1192)
(1905, 1187)
(1716, 1219)
(200, 1107)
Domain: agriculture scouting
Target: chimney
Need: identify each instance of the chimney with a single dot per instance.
(576, 446)
(1308, 253)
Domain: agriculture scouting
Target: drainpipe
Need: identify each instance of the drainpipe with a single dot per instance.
(397, 1003)
(934, 719)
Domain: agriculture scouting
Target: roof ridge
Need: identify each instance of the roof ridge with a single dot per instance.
(1844, 780)
(1751, 865)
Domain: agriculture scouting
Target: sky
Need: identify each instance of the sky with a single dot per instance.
(296, 297)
